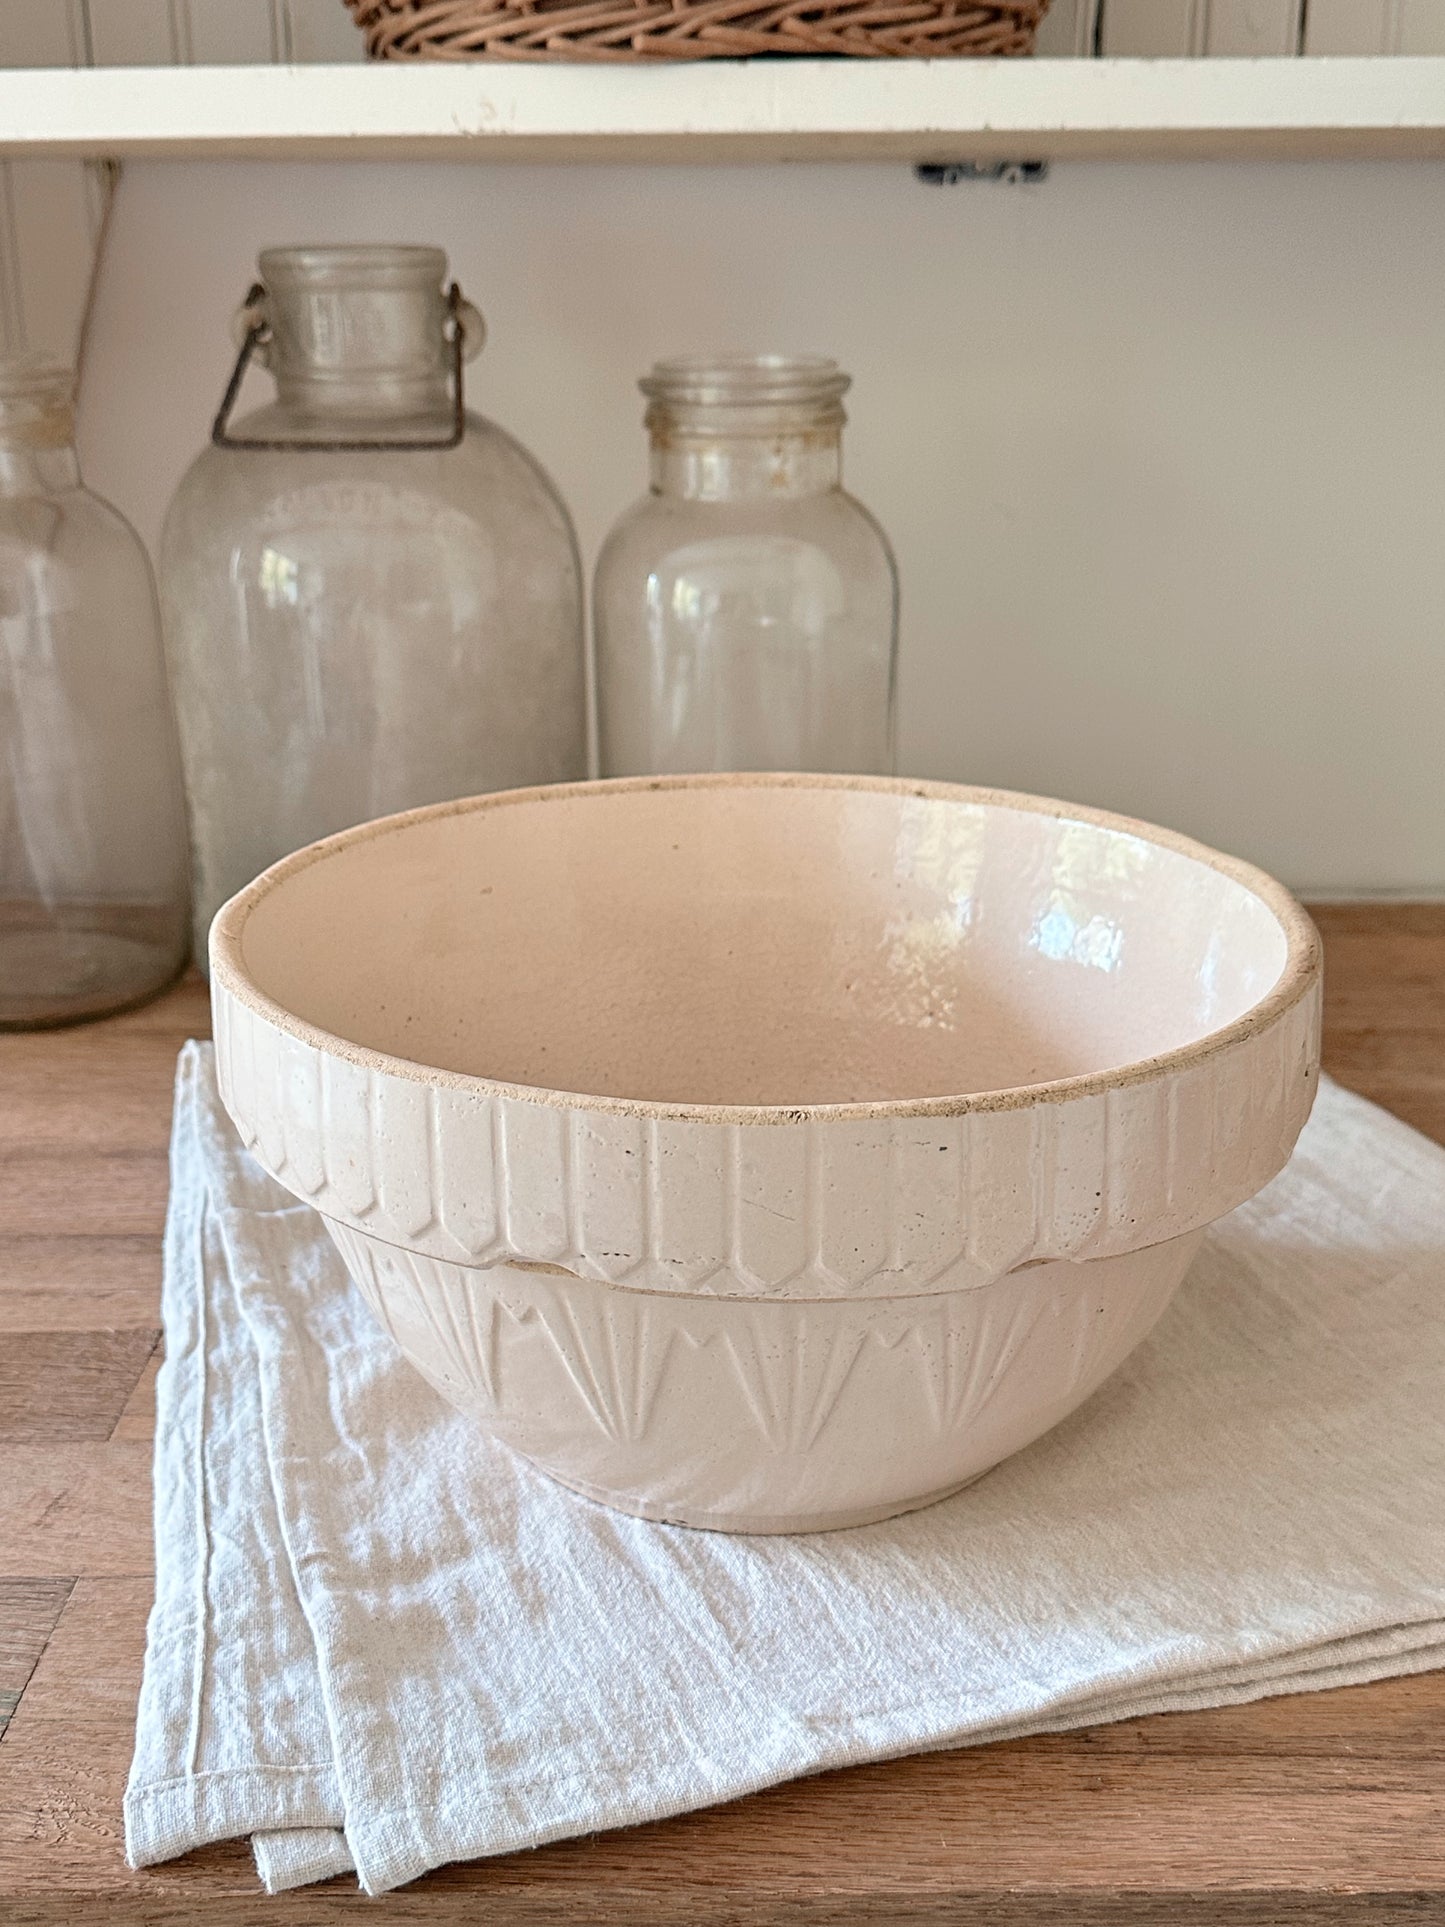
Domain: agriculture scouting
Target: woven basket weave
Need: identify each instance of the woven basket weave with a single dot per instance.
(644, 30)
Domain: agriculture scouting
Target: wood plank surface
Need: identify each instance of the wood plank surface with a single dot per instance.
(1311, 1809)
(29, 1609)
(138, 1416)
(89, 1670)
(61, 1385)
(75, 1509)
(116, 1286)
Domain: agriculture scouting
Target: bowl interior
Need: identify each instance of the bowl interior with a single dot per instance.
(745, 943)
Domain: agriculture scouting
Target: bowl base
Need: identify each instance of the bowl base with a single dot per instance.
(755, 1523)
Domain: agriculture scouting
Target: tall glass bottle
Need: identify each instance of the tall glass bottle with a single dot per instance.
(746, 609)
(371, 601)
(93, 908)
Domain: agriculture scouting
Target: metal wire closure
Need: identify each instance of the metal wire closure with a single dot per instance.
(258, 333)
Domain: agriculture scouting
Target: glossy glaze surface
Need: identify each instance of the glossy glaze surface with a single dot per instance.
(744, 944)
(737, 1097)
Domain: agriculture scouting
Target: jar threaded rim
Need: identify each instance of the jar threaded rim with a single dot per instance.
(746, 380)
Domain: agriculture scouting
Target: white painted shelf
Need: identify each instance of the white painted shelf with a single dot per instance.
(755, 111)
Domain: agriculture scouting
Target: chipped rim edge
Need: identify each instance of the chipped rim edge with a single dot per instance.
(1297, 979)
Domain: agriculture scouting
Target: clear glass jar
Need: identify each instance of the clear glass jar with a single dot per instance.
(746, 609)
(356, 625)
(93, 906)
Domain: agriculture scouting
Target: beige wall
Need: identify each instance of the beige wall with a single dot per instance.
(1162, 449)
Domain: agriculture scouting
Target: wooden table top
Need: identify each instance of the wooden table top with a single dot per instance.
(1324, 1807)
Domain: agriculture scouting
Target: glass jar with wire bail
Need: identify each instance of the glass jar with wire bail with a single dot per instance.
(93, 905)
(746, 609)
(372, 595)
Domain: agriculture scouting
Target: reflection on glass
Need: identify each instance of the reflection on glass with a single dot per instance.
(746, 609)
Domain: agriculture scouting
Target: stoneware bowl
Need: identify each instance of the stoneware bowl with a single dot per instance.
(768, 1153)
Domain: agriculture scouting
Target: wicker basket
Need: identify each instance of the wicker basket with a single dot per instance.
(643, 30)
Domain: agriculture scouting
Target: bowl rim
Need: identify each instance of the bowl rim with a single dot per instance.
(1297, 978)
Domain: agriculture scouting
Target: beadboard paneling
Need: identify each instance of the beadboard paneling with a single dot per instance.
(224, 33)
(321, 30)
(1163, 29)
(1069, 30)
(1375, 27)
(43, 33)
(138, 33)
(143, 33)
(1153, 29)
(51, 212)
(48, 209)
(1421, 28)
(1251, 28)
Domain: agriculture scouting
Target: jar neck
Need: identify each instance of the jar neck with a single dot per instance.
(781, 467)
(38, 458)
(320, 397)
(357, 333)
(734, 428)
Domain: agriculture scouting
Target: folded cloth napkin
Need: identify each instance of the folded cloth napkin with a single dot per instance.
(380, 1641)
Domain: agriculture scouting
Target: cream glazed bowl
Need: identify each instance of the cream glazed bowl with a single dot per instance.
(767, 1153)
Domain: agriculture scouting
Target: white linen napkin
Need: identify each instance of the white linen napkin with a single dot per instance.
(381, 1641)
